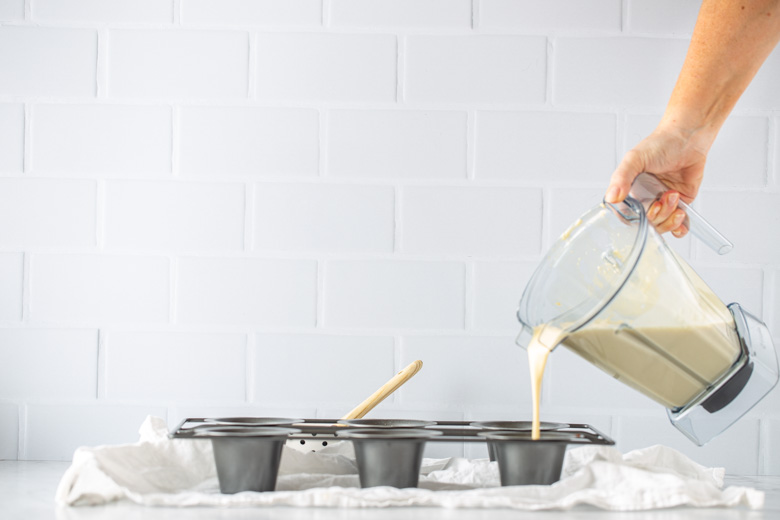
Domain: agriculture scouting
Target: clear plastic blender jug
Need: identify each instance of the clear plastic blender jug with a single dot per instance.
(629, 305)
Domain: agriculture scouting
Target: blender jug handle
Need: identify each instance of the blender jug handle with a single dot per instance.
(647, 188)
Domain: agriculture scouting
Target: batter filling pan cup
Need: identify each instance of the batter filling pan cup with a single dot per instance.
(522, 426)
(523, 462)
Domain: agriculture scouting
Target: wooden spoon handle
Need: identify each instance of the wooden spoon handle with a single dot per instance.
(388, 388)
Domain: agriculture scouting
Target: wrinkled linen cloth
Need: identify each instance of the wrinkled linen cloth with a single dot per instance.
(159, 471)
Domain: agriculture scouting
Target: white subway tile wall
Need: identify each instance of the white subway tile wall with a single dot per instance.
(101, 139)
(497, 289)
(326, 67)
(175, 366)
(267, 13)
(323, 217)
(275, 293)
(619, 72)
(761, 93)
(550, 16)
(662, 17)
(425, 14)
(220, 142)
(11, 10)
(54, 431)
(32, 361)
(526, 145)
(38, 212)
(108, 11)
(473, 221)
(473, 371)
(340, 370)
(11, 137)
(96, 288)
(772, 297)
(770, 430)
(737, 449)
(48, 61)
(480, 69)
(12, 282)
(405, 144)
(9, 431)
(394, 294)
(170, 215)
(160, 63)
(269, 207)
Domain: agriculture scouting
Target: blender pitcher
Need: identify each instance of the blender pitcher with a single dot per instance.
(613, 291)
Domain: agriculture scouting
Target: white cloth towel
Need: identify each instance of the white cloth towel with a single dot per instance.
(159, 471)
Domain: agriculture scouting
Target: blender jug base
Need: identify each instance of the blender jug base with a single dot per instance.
(753, 376)
(730, 390)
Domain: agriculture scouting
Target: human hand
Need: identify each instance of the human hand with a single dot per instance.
(677, 159)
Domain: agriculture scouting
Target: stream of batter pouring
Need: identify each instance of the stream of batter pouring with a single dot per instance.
(545, 338)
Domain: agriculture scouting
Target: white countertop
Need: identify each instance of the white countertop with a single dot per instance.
(27, 492)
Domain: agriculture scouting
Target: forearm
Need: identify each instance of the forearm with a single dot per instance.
(730, 42)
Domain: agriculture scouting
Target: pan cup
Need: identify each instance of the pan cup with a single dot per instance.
(247, 457)
(251, 421)
(389, 457)
(523, 462)
(386, 423)
(520, 426)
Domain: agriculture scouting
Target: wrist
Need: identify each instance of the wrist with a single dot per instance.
(696, 130)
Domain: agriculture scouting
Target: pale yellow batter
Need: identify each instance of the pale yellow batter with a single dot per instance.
(545, 338)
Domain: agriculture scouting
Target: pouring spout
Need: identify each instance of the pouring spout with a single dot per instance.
(547, 335)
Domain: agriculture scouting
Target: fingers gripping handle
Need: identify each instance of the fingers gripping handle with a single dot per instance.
(647, 188)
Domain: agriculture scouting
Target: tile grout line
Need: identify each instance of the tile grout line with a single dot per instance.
(763, 447)
(27, 144)
(624, 25)
(469, 289)
(325, 14)
(400, 68)
(22, 432)
(398, 218)
(252, 74)
(319, 299)
(250, 201)
(26, 286)
(550, 72)
(101, 64)
(250, 357)
(546, 225)
(397, 360)
(175, 141)
(173, 289)
(323, 120)
(471, 145)
(766, 293)
(176, 12)
(771, 179)
(102, 365)
(100, 214)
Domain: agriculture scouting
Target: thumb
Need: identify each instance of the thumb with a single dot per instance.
(620, 183)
